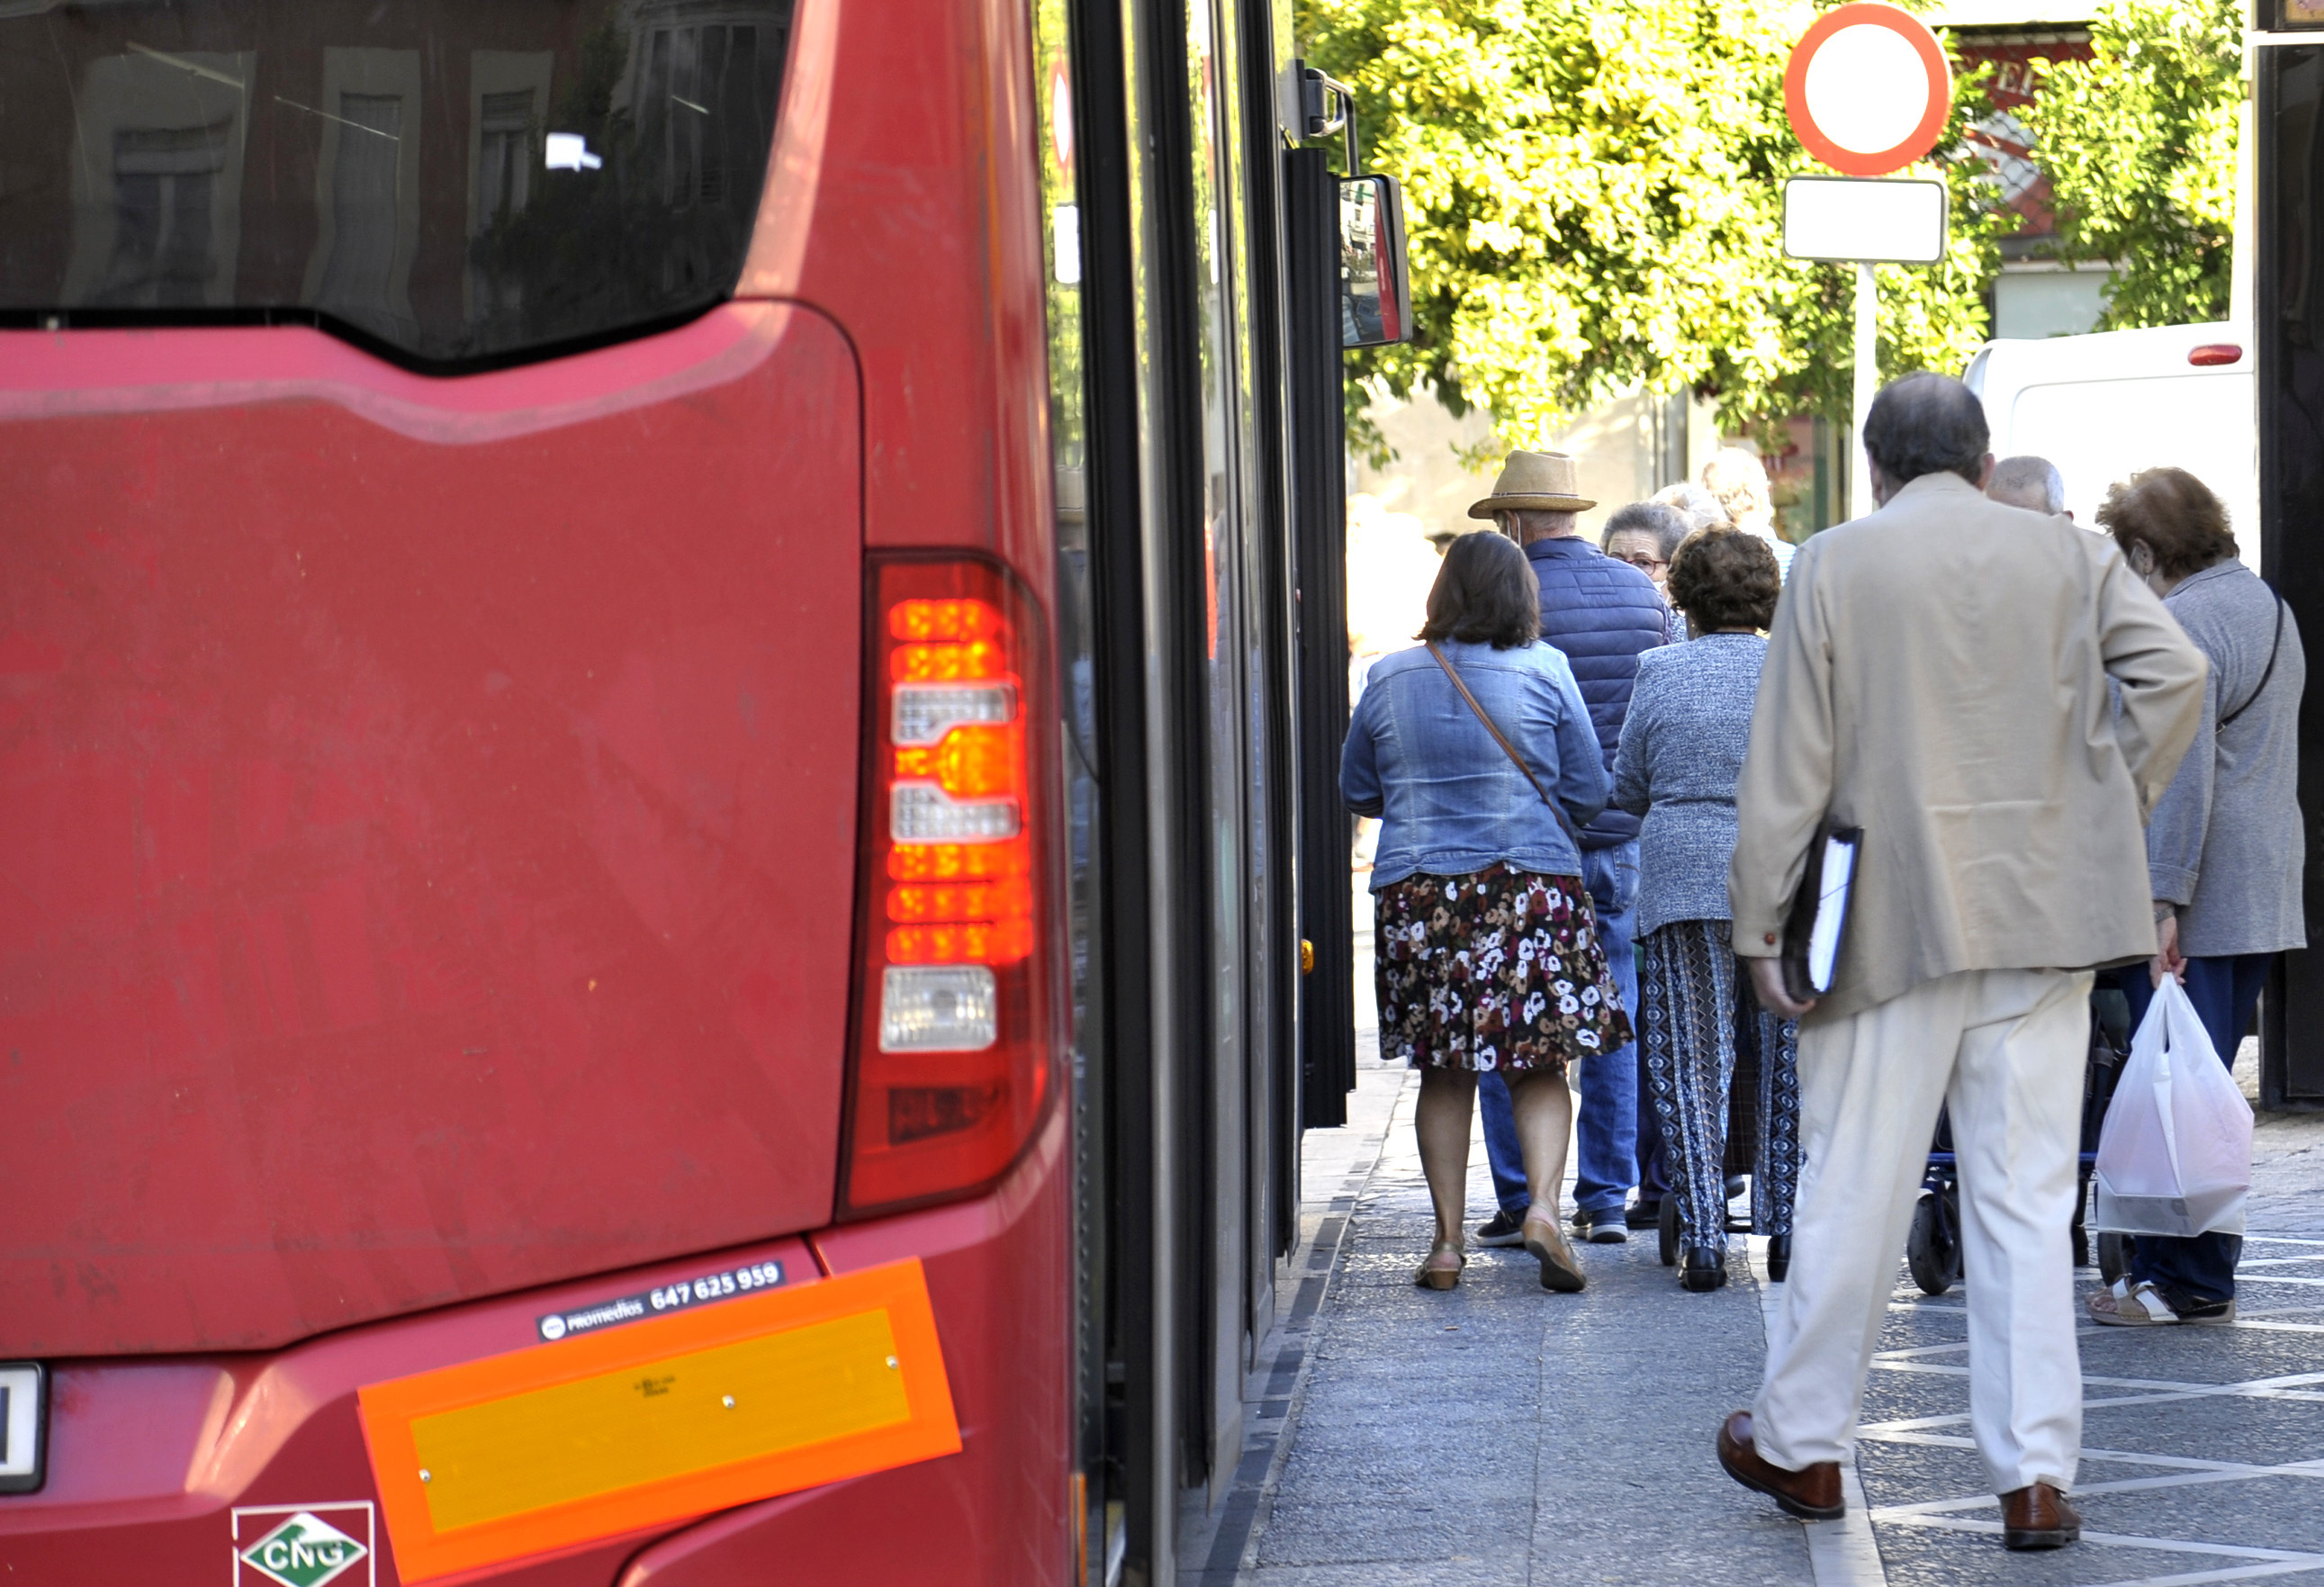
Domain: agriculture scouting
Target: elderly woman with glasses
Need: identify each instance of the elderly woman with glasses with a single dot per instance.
(1647, 535)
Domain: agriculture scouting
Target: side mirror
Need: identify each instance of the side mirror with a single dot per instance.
(1375, 281)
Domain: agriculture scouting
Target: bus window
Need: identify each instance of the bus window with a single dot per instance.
(454, 184)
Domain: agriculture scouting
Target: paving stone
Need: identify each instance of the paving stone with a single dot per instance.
(1498, 1428)
(1458, 1572)
(1352, 1528)
(1498, 1434)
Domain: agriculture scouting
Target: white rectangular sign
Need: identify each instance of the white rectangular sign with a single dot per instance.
(1864, 218)
(22, 1399)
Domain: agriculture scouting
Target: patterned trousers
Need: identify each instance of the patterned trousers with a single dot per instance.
(1697, 1010)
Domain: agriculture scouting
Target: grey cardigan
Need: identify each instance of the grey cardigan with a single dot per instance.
(1681, 755)
(2224, 842)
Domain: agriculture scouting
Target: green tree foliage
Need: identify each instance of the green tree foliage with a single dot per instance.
(1593, 196)
(2140, 145)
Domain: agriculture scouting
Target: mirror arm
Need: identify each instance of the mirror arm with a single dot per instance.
(1314, 85)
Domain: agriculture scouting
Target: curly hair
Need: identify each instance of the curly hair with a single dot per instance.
(1723, 578)
(2174, 514)
(1486, 593)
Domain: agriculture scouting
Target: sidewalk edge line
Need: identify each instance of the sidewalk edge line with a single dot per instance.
(1842, 1553)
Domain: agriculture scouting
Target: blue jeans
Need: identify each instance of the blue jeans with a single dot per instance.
(1605, 1163)
(2225, 991)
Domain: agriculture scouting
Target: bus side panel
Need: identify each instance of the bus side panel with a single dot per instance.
(159, 1469)
(926, 244)
(432, 821)
(994, 1515)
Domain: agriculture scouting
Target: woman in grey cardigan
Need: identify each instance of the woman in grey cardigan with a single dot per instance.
(2223, 847)
(1681, 755)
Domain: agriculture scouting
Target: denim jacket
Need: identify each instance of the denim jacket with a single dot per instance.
(1450, 801)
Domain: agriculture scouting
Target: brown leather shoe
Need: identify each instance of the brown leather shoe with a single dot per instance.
(1812, 1495)
(2038, 1517)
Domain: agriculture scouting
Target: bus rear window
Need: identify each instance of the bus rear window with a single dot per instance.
(460, 183)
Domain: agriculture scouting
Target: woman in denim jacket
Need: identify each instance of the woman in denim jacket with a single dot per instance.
(1486, 948)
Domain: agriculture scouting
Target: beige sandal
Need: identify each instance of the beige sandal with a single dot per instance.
(2124, 1304)
(1544, 1242)
(1433, 1277)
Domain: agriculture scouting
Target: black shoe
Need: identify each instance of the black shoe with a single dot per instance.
(1704, 1270)
(1581, 1221)
(1779, 1257)
(2196, 1308)
(1607, 1227)
(1502, 1230)
(1643, 1213)
(1736, 1184)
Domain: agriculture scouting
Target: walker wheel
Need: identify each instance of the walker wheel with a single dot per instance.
(1666, 1229)
(1932, 1249)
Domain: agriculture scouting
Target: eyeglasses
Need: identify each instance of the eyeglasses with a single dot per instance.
(1640, 560)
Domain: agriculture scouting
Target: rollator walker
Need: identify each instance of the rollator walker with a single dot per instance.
(1933, 1248)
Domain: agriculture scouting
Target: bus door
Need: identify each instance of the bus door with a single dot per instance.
(1212, 486)
(2288, 326)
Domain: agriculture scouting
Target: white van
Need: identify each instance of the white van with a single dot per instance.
(2103, 406)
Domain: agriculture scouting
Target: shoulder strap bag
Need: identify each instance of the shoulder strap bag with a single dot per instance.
(2269, 671)
(1507, 748)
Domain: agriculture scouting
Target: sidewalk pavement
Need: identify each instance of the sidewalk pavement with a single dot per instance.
(1502, 1434)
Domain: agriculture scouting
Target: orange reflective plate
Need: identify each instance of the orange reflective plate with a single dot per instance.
(561, 1444)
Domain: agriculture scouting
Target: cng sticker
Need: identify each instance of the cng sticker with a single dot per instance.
(294, 1546)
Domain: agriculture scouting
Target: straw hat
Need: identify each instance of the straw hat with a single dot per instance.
(1534, 482)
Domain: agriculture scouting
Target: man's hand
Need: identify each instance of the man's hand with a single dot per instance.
(2168, 960)
(1767, 980)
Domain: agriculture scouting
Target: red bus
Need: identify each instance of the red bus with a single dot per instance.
(671, 674)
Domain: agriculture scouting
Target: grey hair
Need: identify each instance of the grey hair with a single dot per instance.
(2029, 482)
(1516, 523)
(1926, 424)
(1697, 505)
(1665, 523)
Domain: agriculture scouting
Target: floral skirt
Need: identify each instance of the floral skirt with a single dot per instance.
(1500, 969)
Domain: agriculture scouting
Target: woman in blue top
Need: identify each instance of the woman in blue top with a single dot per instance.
(1486, 948)
(1680, 754)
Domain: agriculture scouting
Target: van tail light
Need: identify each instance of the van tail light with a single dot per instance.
(956, 1010)
(2212, 354)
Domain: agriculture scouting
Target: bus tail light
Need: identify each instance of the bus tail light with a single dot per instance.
(954, 1019)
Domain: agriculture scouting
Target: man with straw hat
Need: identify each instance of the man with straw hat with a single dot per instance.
(1601, 614)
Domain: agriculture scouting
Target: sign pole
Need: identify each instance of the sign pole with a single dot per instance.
(1866, 89)
(1868, 383)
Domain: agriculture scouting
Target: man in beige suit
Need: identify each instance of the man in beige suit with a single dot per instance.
(1937, 675)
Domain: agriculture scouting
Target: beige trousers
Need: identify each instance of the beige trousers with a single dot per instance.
(2005, 1048)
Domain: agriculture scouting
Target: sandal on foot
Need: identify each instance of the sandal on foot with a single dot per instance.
(2127, 1305)
(1544, 1242)
(1433, 1274)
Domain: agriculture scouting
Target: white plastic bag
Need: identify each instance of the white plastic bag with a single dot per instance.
(2174, 1156)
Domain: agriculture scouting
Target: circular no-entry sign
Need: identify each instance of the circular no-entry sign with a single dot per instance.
(1867, 88)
